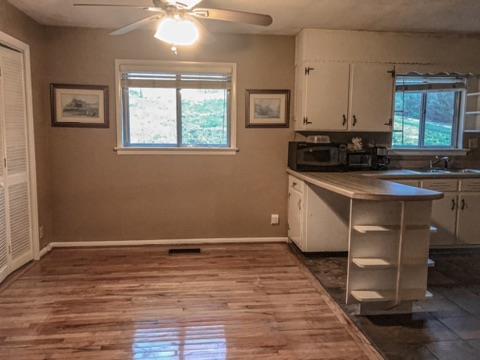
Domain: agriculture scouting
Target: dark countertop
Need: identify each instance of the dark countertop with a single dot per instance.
(366, 186)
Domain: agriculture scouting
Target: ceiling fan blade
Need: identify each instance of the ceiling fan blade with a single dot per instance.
(92, 3)
(135, 25)
(233, 15)
(188, 4)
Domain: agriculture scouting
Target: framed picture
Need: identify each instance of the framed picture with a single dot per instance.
(267, 108)
(79, 105)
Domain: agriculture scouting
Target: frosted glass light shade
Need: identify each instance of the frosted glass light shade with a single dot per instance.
(177, 31)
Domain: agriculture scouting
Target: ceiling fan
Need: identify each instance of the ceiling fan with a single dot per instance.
(177, 19)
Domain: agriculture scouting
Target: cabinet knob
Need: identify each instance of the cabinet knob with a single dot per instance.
(354, 120)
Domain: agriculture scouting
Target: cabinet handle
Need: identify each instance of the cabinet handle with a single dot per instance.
(300, 204)
(354, 120)
(463, 204)
(453, 204)
(344, 122)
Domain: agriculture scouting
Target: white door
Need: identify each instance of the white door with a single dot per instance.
(371, 97)
(326, 96)
(468, 219)
(15, 172)
(444, 218)
(295, 206)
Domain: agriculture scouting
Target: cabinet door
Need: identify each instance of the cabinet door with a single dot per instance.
(326, 96)
(444, 218)
(371, 97)
(468, 219)
(295, 206)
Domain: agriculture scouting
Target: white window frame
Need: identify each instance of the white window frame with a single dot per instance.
(156, 65)
(457, 150)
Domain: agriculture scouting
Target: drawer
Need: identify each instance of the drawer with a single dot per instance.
(295, 184)
(415, 183)
(470, 185)
(441, 184)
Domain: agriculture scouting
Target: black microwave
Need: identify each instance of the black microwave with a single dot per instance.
(304, 156)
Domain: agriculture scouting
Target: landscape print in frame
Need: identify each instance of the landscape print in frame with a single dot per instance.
(79, 105)
(267, 108)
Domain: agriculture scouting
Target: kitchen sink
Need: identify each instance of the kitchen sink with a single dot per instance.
(434, 171)
(467, 171)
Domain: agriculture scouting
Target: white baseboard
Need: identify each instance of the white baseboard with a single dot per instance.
(44, 251)
(66, 244)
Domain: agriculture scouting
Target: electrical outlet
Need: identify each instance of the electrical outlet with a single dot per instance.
(274, 219)
(473, 143)
(41, 232)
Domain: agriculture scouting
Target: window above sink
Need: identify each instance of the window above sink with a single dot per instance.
(428, 113)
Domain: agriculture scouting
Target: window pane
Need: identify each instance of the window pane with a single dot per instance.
(440, 117)
(406, 126)
(204, 117)
(153, 115)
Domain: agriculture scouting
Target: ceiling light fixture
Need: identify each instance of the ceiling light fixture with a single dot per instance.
(177, 31)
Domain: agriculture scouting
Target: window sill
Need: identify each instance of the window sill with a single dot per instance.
(174, 151)
(428, 152)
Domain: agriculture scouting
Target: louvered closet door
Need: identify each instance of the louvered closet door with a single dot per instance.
(17, 194)
(4, 256)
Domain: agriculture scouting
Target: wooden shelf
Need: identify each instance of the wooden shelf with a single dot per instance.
(373, 263)
(364, 229)
(389, 295)
(385, 263)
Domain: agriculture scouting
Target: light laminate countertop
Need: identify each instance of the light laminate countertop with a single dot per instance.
(356, 185)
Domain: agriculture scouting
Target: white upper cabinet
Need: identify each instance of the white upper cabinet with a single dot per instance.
(325, 101)
(371, 97)
(338, 96)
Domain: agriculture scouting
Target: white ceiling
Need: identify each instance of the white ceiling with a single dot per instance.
(289, 15)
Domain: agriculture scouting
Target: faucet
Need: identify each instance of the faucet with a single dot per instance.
(438, 159)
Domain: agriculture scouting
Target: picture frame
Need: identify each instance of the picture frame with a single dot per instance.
(267, 108)
(82, 106)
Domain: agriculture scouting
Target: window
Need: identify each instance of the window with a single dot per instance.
(427, 112)
(176, 106)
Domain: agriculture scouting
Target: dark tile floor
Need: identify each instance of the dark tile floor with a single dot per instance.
(444, 327)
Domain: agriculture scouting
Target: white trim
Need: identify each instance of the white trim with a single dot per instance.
(32, 171)
(176, 151)
(158, 64)
(247, 240)
(428, 152)
(44, 251)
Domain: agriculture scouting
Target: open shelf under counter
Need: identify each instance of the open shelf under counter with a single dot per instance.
(363, 296)
(364, 229)
(385, 263)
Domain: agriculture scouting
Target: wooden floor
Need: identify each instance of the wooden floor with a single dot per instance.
(230, 302)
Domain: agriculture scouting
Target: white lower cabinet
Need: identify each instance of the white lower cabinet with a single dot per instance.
(444, 219)
(456, 216)
(295, 217)
(317, 218)
(468, 230)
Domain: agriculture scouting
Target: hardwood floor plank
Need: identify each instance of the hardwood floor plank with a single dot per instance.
(229, 302)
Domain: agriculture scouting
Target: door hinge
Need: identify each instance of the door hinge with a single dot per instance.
(305, 121)
(308, 69)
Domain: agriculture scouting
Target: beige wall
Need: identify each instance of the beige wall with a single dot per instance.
(100, 195)
(20, 26)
